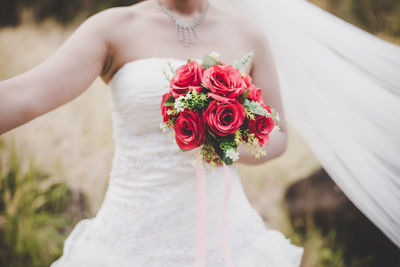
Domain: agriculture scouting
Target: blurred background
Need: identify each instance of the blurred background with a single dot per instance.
(54, 170)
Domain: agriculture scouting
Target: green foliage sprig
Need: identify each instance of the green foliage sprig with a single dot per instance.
(242, 64)
(220, 148)
(255, 108)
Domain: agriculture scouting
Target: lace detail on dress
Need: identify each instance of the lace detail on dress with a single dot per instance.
(148, 217)
(134, 157)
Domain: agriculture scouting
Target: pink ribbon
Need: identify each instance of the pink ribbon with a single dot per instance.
(226, 197)
(201, 241)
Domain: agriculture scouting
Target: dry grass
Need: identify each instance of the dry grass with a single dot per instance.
(73, 141)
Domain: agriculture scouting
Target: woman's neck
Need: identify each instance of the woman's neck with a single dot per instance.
(185, 7)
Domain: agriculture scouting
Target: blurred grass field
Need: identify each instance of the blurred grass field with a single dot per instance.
(73, 144)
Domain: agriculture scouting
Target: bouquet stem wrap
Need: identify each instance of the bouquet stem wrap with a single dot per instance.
(201, 241)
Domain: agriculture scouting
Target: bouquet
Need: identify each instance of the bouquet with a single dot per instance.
(215, 106)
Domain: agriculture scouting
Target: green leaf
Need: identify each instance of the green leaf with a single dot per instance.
(255, 108)
(212, 134)
(169, 102)
(166, 75)
(226, 145)
(209, 61)
(274, 116)
(242, 63)
(171, 69)
(228, 161)
(245, 95)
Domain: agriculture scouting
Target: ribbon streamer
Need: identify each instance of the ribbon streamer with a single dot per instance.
(224, 209)
(201, 253)
(201, 242)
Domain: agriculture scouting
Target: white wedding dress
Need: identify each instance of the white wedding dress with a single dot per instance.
(148, 217)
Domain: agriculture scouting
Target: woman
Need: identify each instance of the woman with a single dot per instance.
(105, 42)
(148, 215)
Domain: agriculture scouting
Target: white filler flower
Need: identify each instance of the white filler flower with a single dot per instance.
(232, 154)
(179, 103)
(214, 54)
(163, 126)
(188, 96)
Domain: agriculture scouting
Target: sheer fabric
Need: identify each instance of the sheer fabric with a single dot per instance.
(341, 92)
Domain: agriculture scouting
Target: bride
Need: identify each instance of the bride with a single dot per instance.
(148, 217)
(339, 86)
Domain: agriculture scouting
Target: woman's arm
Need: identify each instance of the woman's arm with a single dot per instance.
(265, 76)
(60, 78)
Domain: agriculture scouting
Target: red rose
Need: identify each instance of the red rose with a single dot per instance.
(189, 129)
(255, 94)
(261, 126)
(217, 97)
(186, 77)
(224, 118)
(268, 108)
(164, 109)
(224, 81)
(248, 80)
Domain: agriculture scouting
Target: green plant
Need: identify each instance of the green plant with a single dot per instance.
(319, 249)
(33, 217)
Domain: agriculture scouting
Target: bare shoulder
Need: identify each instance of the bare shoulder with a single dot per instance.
(121, 21)
(109, 21)
(108, 18)
(250, 30)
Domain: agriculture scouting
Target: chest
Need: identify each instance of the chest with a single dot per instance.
(156, 37)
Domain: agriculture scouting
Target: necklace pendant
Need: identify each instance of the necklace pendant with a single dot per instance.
(186, 33)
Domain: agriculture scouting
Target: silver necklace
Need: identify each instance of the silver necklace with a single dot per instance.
(186, 33)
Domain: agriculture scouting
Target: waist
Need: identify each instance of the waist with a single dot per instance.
(172, 201)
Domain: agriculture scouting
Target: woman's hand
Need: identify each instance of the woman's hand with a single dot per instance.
(60, 78)
(264, 75)
(277, 146)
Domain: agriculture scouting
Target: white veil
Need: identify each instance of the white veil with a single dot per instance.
(341, 92)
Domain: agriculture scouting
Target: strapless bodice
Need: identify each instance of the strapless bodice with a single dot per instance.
(136, 92)
(137, 88)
